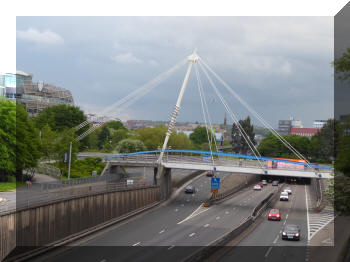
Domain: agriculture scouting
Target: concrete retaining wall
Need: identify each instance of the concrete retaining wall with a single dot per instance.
(8, 234)
(43, 225)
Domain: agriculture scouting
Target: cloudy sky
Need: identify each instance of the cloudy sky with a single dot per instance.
(280, 65)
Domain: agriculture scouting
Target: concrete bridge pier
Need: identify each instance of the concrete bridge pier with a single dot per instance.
(162, 176)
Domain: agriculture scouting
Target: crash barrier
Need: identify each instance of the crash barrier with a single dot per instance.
(40, 227)
(78, 181)
(207, 251)
(185, 179)
(318, 189)
(220, 196)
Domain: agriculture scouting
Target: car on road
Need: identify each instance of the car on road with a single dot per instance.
(261, 184)
(264, 182)
(190, 189)
(257, 187)
(275, 183)
(274, 214)
(210, 173)
(284, 196)
(288, 190)
(291, 232)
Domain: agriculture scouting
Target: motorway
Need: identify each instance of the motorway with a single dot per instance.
(170, 232)
(265, 242)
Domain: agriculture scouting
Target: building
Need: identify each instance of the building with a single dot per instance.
(35, 96)
(319, 123)
(308, 132)
(284, 127)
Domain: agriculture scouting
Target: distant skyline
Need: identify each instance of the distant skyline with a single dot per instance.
(280, 65)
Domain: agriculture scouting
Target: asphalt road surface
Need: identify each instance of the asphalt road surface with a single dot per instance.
(171, 232)
(265, 242)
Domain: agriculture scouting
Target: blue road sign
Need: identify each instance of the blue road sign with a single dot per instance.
(319, 175)
(206, 158)
(215, 183)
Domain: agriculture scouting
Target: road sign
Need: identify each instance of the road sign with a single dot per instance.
(129, 182)
(206, 158)
(214, 190)
(215, 183)
(319, 175)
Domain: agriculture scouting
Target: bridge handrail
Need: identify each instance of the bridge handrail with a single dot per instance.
(216, 154)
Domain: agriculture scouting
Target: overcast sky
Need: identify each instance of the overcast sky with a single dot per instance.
(280, 65)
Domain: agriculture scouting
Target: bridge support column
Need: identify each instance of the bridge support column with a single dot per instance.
(163, 175)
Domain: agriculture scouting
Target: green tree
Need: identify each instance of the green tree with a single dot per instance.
(27, 141)
(7, 138)
(48, 140)
(103, 136)
(130, 146)
(152, 138)
(342, 66)
(200, 135)
(180, 141)
(116, 125)
(239, 144)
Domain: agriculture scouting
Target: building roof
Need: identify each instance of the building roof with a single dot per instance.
(311, 131)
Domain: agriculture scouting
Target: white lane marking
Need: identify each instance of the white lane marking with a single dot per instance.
(170, 247)
(284, 222)
(206, 225)
(160, 232)
(217, 218)
(268, 251)
(227, 212)
(192, 234)
(286, 216)
(136, 244)
(307, 218)
(176, 210)
(275, 241)
(182, 205)
(195, 213)
(187, 200)
(103, 260)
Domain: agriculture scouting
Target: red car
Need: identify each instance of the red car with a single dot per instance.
(261, 184)
(275, 214)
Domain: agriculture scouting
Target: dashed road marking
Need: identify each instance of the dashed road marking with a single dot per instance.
(227, 212)
(192, 234)
(182, 205)
(275, 241)
(176, 210)
(136, 244)
(217, 218)
(170, 247)
(268, 251)
(103, 260)
(162, 231)
(206, 225)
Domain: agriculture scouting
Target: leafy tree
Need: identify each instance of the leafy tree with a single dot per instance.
(200, 135)
(84, 167)
(342, 66)
(103, 136)
(152, 138)
(60, 117)
(239, 144)
(130, 146)
(27, 141)
(116, 125)
(180, 141)
(48, 141)
(119, 135)
(7, 138)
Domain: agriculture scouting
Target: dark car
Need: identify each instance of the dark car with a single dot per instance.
(291, 232)
(275, 183)
(189, 189)
(210, 173)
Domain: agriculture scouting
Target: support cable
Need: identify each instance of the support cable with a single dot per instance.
(251, 110)
(204, 115)
(234, 118)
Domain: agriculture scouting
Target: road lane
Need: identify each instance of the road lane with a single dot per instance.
(265, 242)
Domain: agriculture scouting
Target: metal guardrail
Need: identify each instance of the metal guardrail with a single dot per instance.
(207, 251)
(77, 181)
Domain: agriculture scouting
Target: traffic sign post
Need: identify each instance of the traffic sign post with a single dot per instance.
(215, 184)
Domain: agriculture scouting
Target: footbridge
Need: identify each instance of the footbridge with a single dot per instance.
(218, 161)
